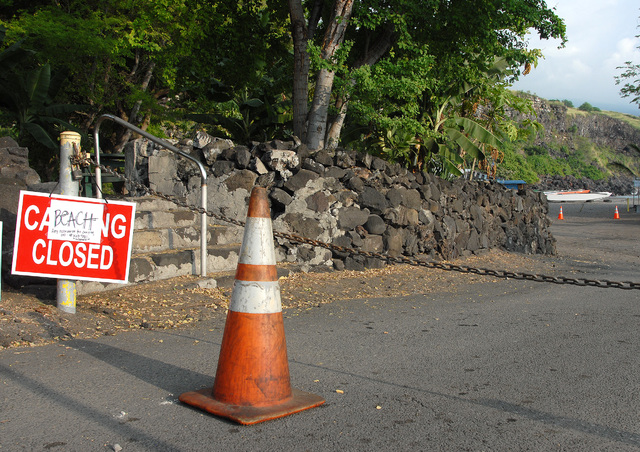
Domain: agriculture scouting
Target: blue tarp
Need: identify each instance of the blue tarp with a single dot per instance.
(512, 184)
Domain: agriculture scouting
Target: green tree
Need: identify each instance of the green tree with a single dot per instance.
(125, 57)
(450, 127)
(463, 40)
(390, 64)
(630, 81)
(12, 56)
(586, 106)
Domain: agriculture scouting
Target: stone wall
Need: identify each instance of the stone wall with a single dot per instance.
(353, 200)
(345, 198)
(15, 175)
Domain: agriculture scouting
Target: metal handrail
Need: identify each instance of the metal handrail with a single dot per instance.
(169, 146)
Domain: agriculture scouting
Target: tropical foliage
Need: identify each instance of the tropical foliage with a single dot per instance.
(27, 98)
(27, 93)
(365, 72)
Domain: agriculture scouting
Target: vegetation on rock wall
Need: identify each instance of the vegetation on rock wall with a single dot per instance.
(575, 142)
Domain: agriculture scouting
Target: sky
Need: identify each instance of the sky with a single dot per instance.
(601, 37)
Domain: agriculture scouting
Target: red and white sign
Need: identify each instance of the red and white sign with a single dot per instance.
(73, 238)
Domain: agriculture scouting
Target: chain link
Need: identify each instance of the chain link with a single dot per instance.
(604, 284)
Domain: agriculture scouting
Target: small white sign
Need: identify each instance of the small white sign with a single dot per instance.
(73, 221)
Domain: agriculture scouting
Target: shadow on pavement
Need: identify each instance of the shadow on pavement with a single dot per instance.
(119, 429)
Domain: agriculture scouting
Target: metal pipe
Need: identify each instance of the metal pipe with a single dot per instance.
(169, 146)
(66, 289)
(203, 231)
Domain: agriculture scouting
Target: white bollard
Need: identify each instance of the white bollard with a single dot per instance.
(66, 291)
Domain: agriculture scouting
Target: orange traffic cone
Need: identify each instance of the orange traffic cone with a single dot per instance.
(252, 380)
(560, 216)
(616, 215)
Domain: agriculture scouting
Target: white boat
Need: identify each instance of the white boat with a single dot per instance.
(575, 196)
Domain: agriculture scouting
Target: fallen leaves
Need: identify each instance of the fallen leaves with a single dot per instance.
(179, 302)
(166, 304)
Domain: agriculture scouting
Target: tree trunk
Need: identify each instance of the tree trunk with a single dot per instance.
(136, 108)
(333, 38)
(333, 135)
(371, 55)
(301, 34)
(320, 109)
(300, 68)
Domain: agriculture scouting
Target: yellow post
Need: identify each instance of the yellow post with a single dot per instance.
(0, 259)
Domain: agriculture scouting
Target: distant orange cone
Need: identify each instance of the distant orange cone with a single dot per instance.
(560, 216)
(252, 380)
(616, 215)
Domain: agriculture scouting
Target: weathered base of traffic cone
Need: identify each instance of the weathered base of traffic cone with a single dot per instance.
(247, 415)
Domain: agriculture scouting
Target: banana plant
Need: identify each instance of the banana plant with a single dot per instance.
(250, 115)
(454, 137)
(26, 98)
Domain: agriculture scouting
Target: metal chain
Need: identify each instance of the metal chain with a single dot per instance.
(602, 283)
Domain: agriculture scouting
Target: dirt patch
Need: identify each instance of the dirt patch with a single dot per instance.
(26, 320)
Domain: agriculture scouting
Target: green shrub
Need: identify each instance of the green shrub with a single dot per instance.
(9, 132)
(592, 172)
(516, 166)
(588, 107)
(536, 150)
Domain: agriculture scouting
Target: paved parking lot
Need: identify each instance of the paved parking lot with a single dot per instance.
(496, 365)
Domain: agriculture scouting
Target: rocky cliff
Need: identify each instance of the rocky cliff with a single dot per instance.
(564, 124)
(605, 140)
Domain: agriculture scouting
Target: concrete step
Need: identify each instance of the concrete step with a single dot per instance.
(171, 217)
(167, 264)
(153, 266)
(166, 244)
(153, 204)
(183, 237)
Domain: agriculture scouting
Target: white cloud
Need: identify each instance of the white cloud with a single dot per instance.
(601, 37)
(626, 50)
(579, 69)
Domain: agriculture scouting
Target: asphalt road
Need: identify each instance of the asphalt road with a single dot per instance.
(497, 365)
